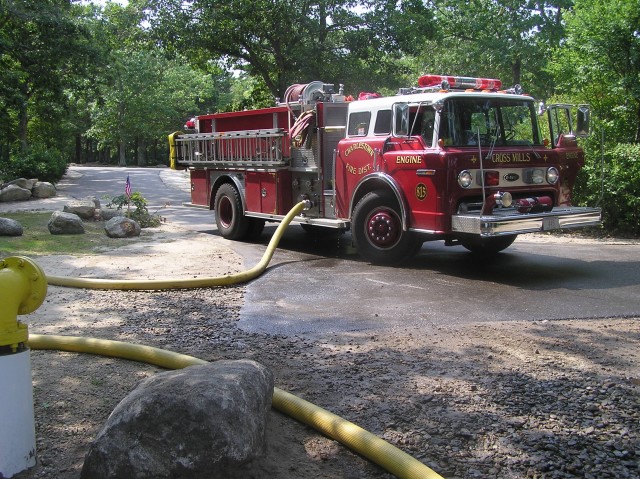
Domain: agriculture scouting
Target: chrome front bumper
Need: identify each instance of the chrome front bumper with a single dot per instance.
(509, 221)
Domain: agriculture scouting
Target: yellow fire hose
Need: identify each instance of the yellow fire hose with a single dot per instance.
(392, 459)
(191, 283)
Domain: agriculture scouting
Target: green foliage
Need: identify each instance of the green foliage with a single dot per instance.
(34, 162)
(616, 188)
(140, 213)
(599, 63)
(282, 42)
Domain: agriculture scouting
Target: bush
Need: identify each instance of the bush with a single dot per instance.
(620, 200)
(36, 161)
(140, 214)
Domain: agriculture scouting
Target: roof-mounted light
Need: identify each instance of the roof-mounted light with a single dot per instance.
(459, 83)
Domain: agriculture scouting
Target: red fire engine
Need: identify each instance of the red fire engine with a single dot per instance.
(455, 159)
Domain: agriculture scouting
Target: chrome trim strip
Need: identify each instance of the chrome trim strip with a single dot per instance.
(327, 222)
(496, 225)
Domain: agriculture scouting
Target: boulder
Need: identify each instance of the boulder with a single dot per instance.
(10, 227)
(205, 421)
(43, 189)
(85, 209)
(23, 183)
(122, 227)
(62, 223)
(14, 193)
(108, 213)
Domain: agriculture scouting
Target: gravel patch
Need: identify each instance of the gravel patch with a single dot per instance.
(541, 399)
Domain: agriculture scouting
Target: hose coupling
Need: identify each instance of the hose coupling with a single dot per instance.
(308, 204)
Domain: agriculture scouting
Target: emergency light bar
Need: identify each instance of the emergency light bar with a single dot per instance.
(426, 81)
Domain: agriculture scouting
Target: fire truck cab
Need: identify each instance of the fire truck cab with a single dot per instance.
(455, 159)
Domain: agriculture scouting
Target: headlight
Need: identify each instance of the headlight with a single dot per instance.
(504, 199)
(533, 176)
(465, 179)
(552, 175)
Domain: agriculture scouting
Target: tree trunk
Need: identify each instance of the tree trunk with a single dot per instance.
(122, 158)
(78, 153)
(154, 152)
(23, 123)
(638, 122)
(516, 70)
(141, 152)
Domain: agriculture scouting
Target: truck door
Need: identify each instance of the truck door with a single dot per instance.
(559, 122)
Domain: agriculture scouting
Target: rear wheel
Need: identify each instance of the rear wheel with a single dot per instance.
(377, 230)
(487, 246)
(231, 222)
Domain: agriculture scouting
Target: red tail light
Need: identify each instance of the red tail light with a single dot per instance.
(491, 178)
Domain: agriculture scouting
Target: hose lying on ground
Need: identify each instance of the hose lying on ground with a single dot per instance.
(357, 439)
(392, 459)
(188, 283)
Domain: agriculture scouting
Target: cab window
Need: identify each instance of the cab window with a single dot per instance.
(383, 123)
(359, 123)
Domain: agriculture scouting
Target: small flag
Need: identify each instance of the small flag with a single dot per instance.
(127, 188)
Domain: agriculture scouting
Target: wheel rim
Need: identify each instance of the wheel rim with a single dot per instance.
(383, 228)
(225, 211)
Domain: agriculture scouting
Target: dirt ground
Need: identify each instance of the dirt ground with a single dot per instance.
(507, 400)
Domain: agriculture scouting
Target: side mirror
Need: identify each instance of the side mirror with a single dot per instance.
(582, 124)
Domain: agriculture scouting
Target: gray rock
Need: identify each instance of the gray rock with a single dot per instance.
(85, 209)
(23, 183)
(108, 213)
(14, 193)
(204, 421)
(62, 223)
(122, 227)
(9, 227)
(43, 189)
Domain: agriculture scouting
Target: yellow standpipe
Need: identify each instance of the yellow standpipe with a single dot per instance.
(395, 461)
(173, 154)
(164, 284)
(23, 287)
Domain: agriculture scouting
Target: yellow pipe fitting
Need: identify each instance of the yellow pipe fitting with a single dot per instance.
(23, 287)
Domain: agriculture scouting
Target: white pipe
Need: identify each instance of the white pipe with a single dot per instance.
(17, 424)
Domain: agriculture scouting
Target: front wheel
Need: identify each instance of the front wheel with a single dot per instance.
(487, 246)
(377, 230)
(231, 222)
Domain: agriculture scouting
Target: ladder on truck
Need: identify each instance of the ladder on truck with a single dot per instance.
(245, 148)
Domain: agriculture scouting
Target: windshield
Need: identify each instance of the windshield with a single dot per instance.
(494, 121)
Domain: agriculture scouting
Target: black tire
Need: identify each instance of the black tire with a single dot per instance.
(231, 222)
(377, 230)
(486, 246)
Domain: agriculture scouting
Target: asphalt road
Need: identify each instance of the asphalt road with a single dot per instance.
(315, 286)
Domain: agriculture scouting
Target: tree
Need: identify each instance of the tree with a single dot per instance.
(143, 96)
(282, 42)
(600, 63)
(508, 39)
(42, 47)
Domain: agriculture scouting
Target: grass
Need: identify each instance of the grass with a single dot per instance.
(37, 240)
